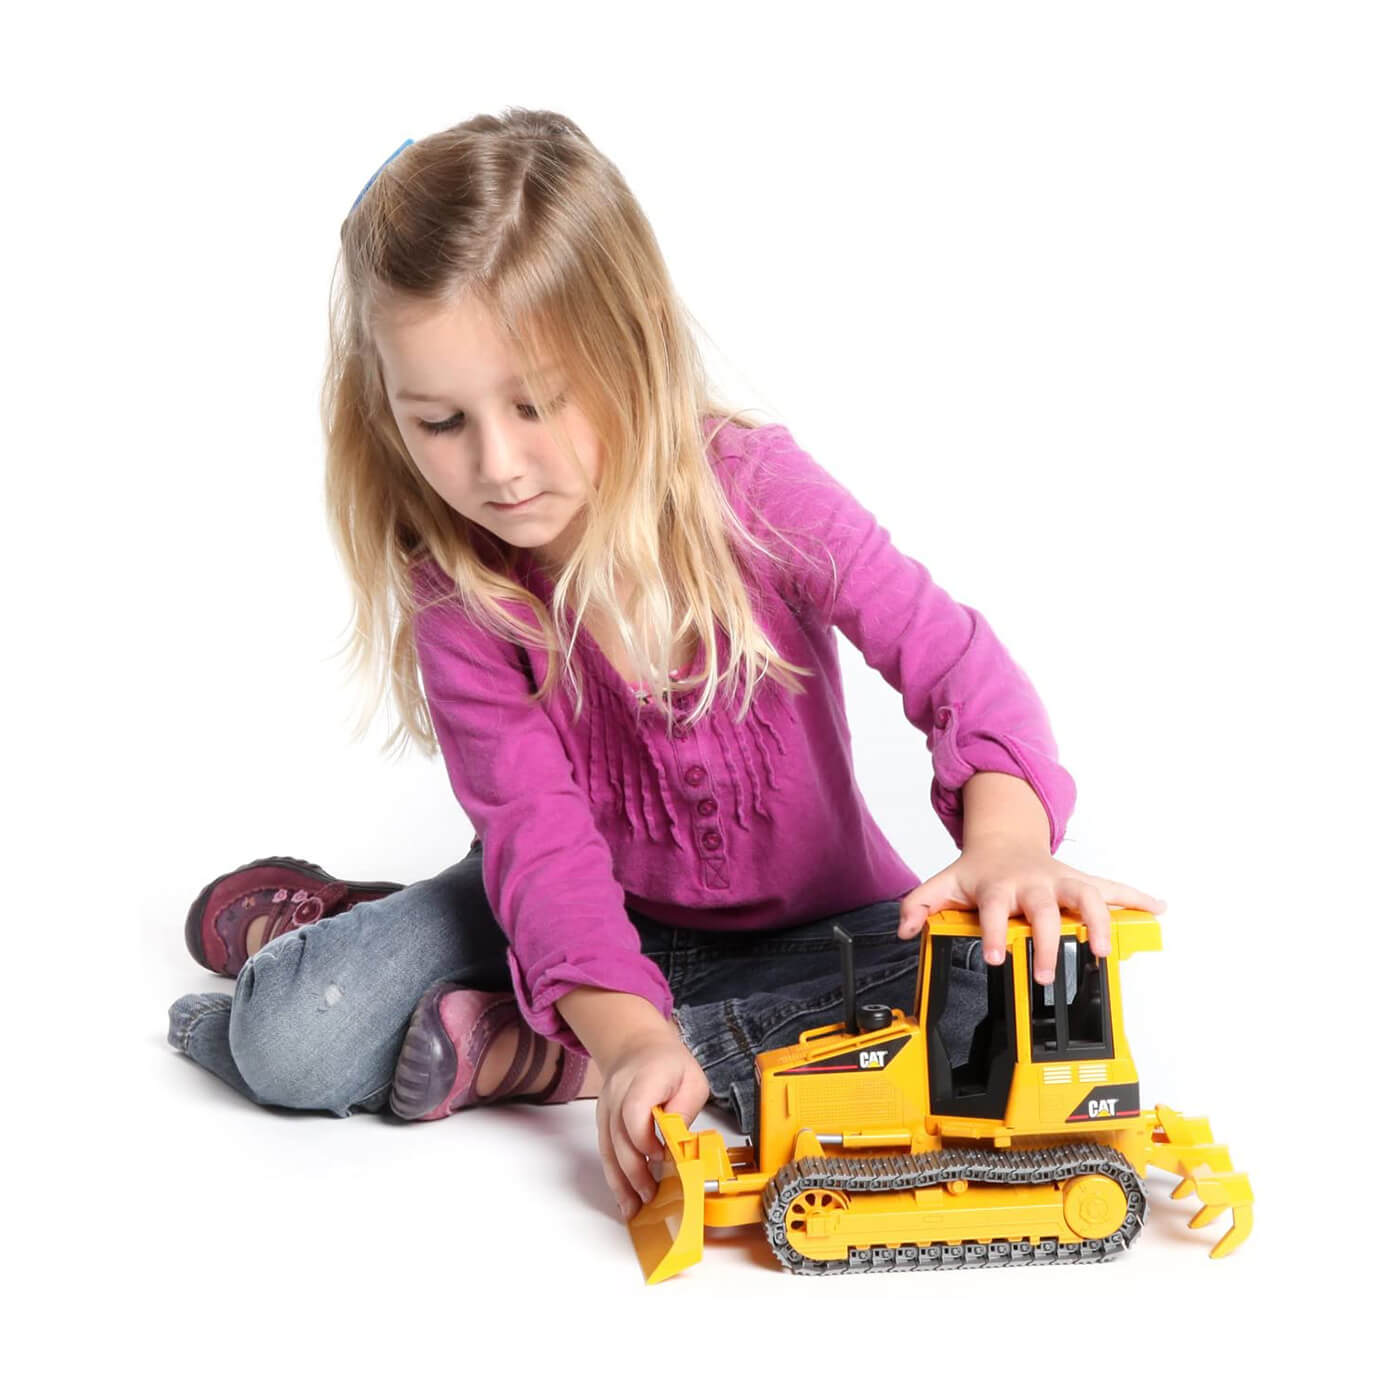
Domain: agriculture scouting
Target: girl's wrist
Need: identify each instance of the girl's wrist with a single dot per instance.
(608, 1023)
(1002, 809)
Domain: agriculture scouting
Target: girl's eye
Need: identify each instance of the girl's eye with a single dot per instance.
(450, 425)
(446, 426)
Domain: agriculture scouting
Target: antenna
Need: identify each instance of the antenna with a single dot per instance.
(848, 976)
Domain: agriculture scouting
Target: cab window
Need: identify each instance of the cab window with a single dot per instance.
(1069, 1017)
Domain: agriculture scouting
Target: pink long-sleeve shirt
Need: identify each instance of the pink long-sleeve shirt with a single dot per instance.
(724, 826)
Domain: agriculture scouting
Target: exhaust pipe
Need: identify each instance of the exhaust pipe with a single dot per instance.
(848, 976)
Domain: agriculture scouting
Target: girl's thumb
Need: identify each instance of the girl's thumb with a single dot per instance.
(687, 1101)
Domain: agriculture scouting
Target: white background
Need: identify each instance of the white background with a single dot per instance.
(1094, 305)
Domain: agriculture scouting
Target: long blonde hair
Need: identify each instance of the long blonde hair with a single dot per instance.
(522, 212)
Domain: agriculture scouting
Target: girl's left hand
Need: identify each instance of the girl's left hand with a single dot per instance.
(1003, 876)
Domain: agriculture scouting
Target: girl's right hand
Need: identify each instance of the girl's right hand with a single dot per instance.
(649, 1070)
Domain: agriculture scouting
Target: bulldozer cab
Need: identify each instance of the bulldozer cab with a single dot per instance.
(1016, 1018)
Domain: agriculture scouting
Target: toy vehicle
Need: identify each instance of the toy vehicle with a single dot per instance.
(875, 1152)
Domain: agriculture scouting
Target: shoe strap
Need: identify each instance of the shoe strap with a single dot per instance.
(531, 1050)
(493, 1022)
(566, 1080)
(526, 1063)
(527, 1043)
(309, 910)
(320, 905)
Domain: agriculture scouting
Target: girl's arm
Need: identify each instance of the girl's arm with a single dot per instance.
(607, 1022)
(999, 805)
(960, 687)
(998, 785)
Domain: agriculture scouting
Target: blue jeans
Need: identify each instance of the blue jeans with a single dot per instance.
(317, 1016)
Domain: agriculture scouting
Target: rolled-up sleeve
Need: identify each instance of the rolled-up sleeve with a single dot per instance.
(547, 871)
(960, 687)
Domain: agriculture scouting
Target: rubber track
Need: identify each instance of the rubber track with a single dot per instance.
(1031, 1166)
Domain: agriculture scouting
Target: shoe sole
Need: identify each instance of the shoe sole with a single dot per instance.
(194, 921)
(426, 1073)
(427, 1063)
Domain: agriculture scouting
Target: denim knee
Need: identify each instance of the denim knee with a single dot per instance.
(292, 1042)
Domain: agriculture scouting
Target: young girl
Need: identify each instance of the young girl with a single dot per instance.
(621, 599)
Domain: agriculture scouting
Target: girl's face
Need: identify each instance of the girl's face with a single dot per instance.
(455, 393)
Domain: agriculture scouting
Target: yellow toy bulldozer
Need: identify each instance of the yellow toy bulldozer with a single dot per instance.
(876, 1153)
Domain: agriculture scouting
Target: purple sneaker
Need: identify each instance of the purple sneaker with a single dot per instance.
(223, 931)
(446, 1042)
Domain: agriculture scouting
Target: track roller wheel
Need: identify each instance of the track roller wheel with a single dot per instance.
(1094, 1206)
(813, 1212)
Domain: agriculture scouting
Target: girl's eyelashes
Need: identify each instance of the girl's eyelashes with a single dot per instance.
(446, 426)
(450, 425)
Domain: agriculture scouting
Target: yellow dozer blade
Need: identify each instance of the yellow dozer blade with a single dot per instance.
(668, 1232)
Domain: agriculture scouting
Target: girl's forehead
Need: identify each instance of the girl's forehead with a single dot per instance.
(438, 360)
(466, 329)
(402, 322)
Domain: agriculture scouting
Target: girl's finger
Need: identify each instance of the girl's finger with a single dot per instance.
(633, 1138)
(993, 911)
(1087, 902)
(691, 1097)
(929, 898)
(1042, 911)
(617, 1183)
(1126, 897)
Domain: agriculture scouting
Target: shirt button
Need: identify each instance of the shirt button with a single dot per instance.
(710, 840)
(707, 806)
(695, 775)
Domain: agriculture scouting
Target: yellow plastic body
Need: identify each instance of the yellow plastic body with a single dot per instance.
(833, 1093)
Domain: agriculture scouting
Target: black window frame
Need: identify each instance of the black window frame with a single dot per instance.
(987, 1097)
(1091, 975)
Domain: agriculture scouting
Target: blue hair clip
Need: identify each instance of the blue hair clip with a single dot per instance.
(375, 176)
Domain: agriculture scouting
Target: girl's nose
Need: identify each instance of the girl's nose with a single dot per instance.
(501, 459)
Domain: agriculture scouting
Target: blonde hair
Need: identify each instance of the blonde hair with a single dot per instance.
(523, 213)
